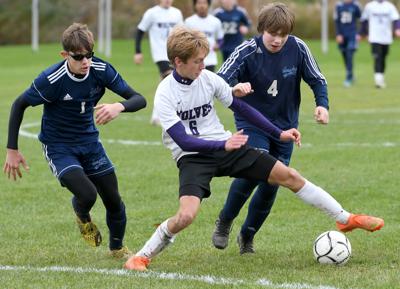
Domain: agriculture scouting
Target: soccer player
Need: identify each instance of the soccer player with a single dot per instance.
(274, 63)
(211, 26)
(158, 21)
(346, 15)
(203, 149)
(377, 19)
(235, 23)
(69, 92)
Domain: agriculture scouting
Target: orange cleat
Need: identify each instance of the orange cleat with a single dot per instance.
(137, 263)
(368, 223)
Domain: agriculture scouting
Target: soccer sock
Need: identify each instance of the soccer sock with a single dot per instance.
(160, 239)
(116, 223)
(317, 197)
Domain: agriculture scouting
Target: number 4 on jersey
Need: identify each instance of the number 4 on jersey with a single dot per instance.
(273, 89)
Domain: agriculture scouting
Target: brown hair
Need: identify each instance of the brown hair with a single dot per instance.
(77, 37)
(276, 18)
(184, 43)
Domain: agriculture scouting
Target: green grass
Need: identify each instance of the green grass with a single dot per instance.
(356, 158)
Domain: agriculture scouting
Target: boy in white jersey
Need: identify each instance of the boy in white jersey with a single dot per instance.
(378, 17)
(158, 21)
(204, 149)
(211, 26)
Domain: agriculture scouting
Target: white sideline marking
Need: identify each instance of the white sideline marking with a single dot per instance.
(168, 276)
(27, 134)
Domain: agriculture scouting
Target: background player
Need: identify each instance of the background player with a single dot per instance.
(203, 149)
(274, 63)
(378, 18)
(346, 15)
(235, 23)
(158, 21)
(211, 26)
(69, 92)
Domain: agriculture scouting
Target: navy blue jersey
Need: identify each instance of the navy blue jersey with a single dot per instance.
(275, 78)
(69, 101)
(231, 21)
(346, 16)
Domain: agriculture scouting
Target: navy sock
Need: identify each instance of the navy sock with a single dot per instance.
(116, 223)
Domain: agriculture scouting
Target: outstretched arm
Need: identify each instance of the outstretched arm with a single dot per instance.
(14, 158)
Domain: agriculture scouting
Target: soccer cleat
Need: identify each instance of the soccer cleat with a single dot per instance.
(368, 223)
(220, 237)
(122, 253)
(137, 263)
(245, 246)
(90, 233)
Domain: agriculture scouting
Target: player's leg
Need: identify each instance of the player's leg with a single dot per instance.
(165, 233)
(107, 187)
(239, 192)
(378, 55)
(195, 174)
(65, 165)
(319, 198)
(262, 200)
(85, 195)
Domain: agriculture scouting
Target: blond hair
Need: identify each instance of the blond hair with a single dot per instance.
(276, 18)
(185, 43)
(77, 37)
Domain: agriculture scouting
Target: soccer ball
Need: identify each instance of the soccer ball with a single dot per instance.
(332, 247)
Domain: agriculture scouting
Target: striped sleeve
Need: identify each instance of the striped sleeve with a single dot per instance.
(233, 67)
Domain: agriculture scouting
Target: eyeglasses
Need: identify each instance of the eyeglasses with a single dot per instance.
(79, 57)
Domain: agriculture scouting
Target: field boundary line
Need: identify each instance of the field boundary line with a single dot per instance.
(209, 279)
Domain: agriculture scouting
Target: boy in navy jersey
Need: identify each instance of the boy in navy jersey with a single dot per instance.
(346, 15)
(70, 91)
(203, 149)
(274, 63)
(235, 23)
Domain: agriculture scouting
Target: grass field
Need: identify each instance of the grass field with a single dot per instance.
(356, 158)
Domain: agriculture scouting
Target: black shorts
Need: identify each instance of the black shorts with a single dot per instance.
(164, 67)
(197, 170)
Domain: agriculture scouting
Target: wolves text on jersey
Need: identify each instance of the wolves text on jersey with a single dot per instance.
(196, 112)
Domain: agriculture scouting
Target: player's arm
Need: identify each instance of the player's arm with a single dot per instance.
(134, 101)
(258, 119)
(191, 143)
(232, 69)
(138, 57)
(396, 26)
(14, 158)
(317, 82)
(339, 34)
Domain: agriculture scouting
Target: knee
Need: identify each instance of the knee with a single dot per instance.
(185, 218)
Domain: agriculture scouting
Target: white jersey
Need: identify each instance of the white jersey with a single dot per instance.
(193, 105)
(158, 22)
(211, 26)
(380, 16)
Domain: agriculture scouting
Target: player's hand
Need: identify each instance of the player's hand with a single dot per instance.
(359, 37)
(138, 58)
(11, 166)
(339, 39)
(397, 32)
(243, 29)
(321, 115)
(242, 89)
(291, 135)
(236, 141)
(106, 112)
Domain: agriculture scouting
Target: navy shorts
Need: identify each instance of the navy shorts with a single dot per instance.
(91, 157)
(276, 148)
(197, 170)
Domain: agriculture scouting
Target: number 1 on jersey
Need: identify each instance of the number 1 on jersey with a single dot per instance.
(82, 107)
(273, 89)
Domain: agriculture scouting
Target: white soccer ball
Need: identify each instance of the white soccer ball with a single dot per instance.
(332, 247)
